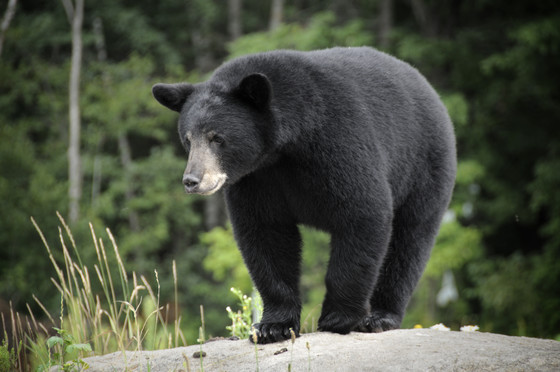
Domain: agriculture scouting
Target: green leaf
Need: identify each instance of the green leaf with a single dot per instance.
(54, 340)
(78, 347)
(83, 364)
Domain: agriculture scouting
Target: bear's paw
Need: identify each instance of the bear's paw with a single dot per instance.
(269, 332)
(378, 321)
(337, 322)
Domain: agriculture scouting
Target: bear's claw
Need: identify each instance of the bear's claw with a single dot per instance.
(378, 322)
(266, 333)
(337, 322)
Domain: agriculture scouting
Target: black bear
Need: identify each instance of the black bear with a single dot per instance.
(347, 140)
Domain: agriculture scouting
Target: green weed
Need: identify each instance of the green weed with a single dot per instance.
(293, 341)
(67, 351)
(255, 340)
(201, 338)
(308, 356)
(125, 315)
(8, 356)
(242, 320)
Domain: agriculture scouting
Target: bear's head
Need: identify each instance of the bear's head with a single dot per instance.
(225, 131)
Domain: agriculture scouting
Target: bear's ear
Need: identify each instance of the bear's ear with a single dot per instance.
(172, 96)
(256, 90)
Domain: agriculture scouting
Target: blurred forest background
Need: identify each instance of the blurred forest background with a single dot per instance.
(81, 134)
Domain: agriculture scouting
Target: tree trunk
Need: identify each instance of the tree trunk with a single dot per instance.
(126, 161)
(344, 10)
(74, 160)
(234, 19)
(8, 16)
(101, 56)
(201, 33)
(97, 176)
(276, 14)
(385, 22)
(124, 144)
(421, 13)
(99, 39)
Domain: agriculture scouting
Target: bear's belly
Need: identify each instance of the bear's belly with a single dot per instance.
(315, 206)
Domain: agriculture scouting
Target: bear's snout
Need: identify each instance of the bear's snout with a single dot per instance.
(203, 183)
(191, 183)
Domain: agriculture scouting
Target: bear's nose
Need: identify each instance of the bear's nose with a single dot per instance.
(191, 182)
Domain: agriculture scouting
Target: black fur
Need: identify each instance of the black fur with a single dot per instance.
(348, 140)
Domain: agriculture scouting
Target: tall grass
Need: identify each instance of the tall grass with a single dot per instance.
(126, 315)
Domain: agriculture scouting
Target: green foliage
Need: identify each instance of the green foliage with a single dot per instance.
(112, 310)
(27, 186)
(224, 260)
(68, 352)
(316, 249)
(8, 357)
(321, 32)
(457, 107)
(455, 247)
(242, 321)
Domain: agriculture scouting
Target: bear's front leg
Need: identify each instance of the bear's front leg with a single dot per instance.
(356, 257)
(272, 256)
(270, 244)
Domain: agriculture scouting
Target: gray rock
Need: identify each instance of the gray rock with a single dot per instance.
(399, 350)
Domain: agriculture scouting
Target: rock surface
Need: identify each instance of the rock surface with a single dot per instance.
(399, 350)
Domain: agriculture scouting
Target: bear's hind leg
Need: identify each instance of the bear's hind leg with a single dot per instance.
(415, 227)
(356, 258)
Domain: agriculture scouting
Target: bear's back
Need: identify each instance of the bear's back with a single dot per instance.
(358, 66)
(357, 95)
(353, 77)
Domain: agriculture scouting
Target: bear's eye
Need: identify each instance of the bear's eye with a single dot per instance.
(217, 139)
(186, 143)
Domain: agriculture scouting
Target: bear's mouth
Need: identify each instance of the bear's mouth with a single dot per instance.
(219, 181)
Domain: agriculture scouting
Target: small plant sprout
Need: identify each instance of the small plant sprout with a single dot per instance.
(255, 338)
(293, 340)
(308, 356)
(201, 337)
(8, 356)
(242, 320)
(68, 349)
(186, 363)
